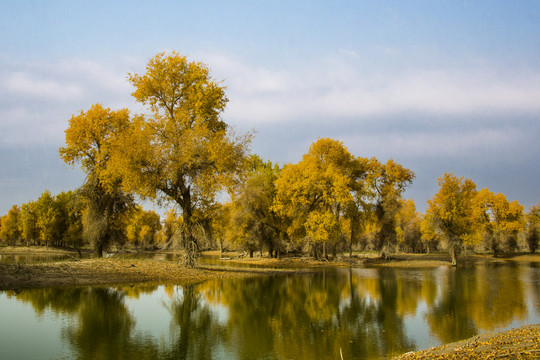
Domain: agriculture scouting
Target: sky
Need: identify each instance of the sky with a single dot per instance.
(438, 86)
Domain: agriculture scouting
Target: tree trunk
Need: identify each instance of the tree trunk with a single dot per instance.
(99, 250)
(190, 242)
(353, 235)
(454, 254)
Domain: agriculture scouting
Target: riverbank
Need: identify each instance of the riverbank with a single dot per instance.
(373, 260)
(73, 271)
(520, 343)
(107, 271)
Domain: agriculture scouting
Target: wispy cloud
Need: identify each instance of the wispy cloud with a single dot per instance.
(42, 96)
(33, 85)
(339, 87)
(38, 98)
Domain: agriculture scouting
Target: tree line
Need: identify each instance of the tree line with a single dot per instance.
(63, 221)
(181, 153)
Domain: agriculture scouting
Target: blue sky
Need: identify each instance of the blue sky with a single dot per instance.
(438, 86)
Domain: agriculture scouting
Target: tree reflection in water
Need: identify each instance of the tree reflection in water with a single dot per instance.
(482, 297)
(361, 313)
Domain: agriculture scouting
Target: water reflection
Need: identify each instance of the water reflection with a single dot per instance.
(364, 313)
(30, 259)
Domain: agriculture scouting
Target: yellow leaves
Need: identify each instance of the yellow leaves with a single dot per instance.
(322, 226)
(180, 89)
(90, 135)
(450, 211)
(495, 214)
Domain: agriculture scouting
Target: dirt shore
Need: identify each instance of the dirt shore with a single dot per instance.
(91, 271)
(520, 343)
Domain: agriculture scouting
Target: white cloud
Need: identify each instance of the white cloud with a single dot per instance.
(479, 145)
(37, 86)
(339, 86)
(38, 98)
(43, 96)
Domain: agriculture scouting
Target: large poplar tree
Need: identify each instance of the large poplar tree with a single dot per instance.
(315, 193)
(182, 151)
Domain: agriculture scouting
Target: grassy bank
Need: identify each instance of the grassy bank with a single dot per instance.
(372, 259)
(105, 271)
(119, 269)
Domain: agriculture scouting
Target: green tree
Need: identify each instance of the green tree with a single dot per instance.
(223, 232)
(89, 139)
(390, 181)
(72, 208)
(49, 219)
(357, 210)
(183, 151)
(28, 223)
(256, 222)
(533, 228)
(450, 213)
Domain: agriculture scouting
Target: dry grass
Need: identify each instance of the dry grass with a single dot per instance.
(118, 270)
(105, 271)
(521, 343)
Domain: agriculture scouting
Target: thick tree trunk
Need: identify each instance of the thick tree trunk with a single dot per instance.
(99, 250)
(190, 242)
(454, 254)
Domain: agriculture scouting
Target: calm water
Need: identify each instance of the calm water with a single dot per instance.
(367, 313)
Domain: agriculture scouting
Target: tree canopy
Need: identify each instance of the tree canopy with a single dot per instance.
(450, 212)
(182, 151)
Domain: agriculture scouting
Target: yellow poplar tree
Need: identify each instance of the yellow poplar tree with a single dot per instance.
(89, 142)
(498, 221)
(450, 213)
(319, 185)
(182, 152)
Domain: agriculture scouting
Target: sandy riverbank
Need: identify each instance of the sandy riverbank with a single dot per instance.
(520, 343)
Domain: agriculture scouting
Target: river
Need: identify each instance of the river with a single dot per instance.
(369, 313)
